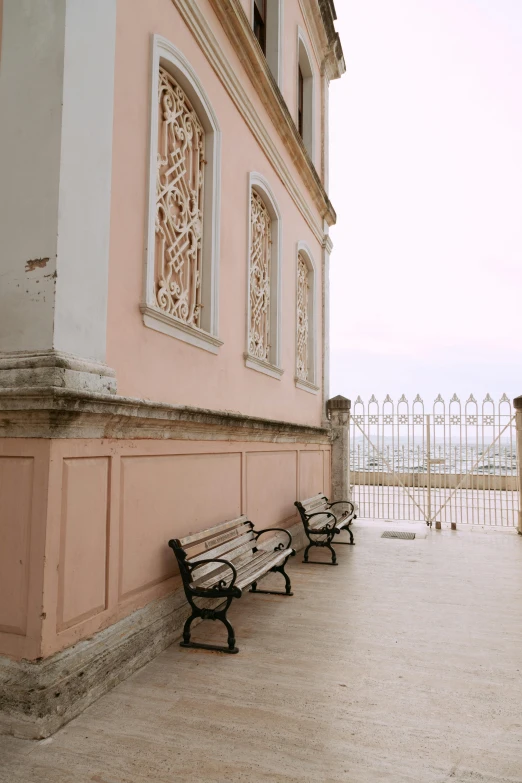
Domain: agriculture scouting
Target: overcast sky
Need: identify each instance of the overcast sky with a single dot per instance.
(426, 178)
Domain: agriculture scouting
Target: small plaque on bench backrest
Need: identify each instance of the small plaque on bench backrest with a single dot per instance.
(228, 536)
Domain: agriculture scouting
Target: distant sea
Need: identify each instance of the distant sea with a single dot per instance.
(499, 460)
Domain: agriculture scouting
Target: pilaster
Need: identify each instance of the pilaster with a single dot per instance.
(325, 287)
(56, 158)
(339, 414)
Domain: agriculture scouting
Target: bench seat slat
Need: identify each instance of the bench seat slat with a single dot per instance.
(228, 547)
(278, 558)
(340, 521)
(201, 573)
(241, 566)
(238, 558)
(315, 507)
(249, 570)
(259, 558)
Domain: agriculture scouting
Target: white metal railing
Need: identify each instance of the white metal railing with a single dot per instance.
(455, 464)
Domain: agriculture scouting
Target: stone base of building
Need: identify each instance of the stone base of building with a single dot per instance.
(37, 698)
(92, 487)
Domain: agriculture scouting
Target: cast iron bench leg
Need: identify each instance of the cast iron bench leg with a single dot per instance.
(326, 545)
(351, 542)
(210, 614)
(288, 586)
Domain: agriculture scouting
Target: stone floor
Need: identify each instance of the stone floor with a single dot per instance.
(402, 664)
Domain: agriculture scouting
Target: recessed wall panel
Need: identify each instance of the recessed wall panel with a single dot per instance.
(328, 473)
(83, 539)
(311, 473)
(164, 497)
(16, 491)
(271, 486)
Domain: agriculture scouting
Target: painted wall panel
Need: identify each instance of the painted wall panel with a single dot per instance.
(311, 480)
(16, 489)
(327, 473)
(271, 486)
(83, 539)
(166, 497)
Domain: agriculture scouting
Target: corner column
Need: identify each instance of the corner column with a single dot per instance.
(55, 194)
(325, 385)
(339, 415)
(517, 402)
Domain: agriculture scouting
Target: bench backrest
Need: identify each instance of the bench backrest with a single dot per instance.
(233, 541)
(314, 504)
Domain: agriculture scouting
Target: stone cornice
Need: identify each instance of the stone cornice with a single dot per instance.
(320, 16)
(49, 412)
(335, 59)
(239, 32)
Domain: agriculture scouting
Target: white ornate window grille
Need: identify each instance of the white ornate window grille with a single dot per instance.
(179, 203)
(260, 272)
(303, 286)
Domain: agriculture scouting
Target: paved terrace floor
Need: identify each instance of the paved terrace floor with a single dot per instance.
(404, 663)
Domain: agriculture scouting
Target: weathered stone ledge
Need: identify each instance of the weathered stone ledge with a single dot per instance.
(50, 368)
(52, 412)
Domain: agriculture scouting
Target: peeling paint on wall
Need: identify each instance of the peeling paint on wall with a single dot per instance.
(36, 263)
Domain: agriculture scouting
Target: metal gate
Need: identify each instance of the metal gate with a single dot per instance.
(453, 465)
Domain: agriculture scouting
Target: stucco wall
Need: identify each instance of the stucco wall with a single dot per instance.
(103, 518)
(155, 366)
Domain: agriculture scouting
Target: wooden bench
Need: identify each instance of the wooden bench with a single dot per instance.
(323, 521)
(220, 562)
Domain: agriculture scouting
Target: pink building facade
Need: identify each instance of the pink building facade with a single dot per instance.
(163, 314)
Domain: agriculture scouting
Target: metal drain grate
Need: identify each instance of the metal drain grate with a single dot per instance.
(398, 534)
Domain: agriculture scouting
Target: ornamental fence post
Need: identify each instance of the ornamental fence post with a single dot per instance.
(338, 410)
(517, 402)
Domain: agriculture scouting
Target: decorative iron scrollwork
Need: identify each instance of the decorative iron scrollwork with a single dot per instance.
(221, 585)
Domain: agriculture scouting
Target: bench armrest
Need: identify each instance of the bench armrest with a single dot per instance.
(326, 528)
(345, 502)
(276, 530)
(221, 585)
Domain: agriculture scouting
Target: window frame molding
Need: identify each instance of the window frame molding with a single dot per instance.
(309, 386)
(310, 91)
(273, 368)
(311, 200)
(278, 74)
(167, 55)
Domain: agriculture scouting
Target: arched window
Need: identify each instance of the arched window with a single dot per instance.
(305, 95)
(267, 23)
(306, 327)
(181, 296)
(264, 280)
